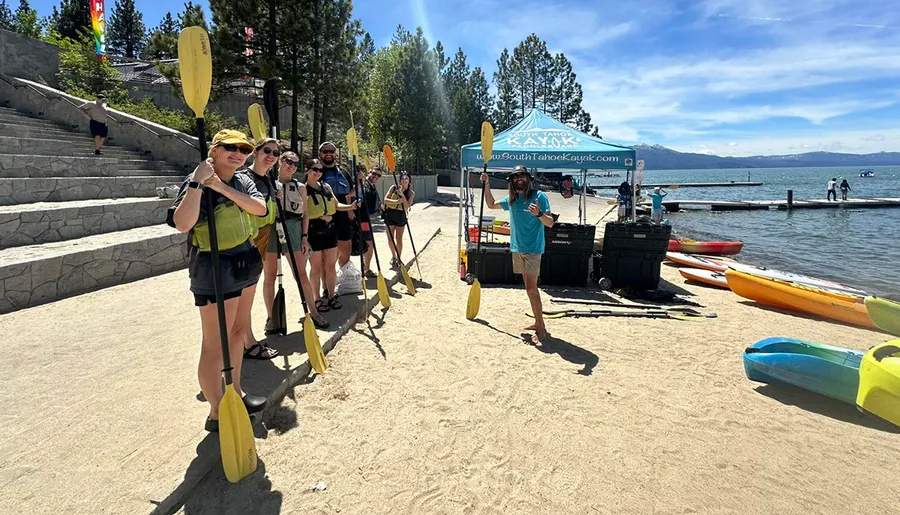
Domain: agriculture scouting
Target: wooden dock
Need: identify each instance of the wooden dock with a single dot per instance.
(752, 205)
(647, 187)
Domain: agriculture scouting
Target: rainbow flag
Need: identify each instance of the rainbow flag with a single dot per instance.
(98, 23)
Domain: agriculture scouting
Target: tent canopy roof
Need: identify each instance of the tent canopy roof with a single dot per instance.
(539, 141)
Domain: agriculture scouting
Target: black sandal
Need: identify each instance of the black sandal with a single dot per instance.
(260, 352)
(324, 324)
(322, 306)
(335, 303)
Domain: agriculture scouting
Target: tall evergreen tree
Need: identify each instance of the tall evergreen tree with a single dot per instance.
(74, 16)
(163, 41)
(193, 16)
(26, 21)
(532, 65)
(506, 110)
(127, 33)
(6, 16)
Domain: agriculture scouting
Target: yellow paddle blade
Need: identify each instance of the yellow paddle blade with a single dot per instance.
(352, 142)
(195, 68)
(408, 280)
(474, 302)
(236, 439)
(389, 158)
(313, 347)
(368, 163)
(257, 122)
(487, 141)
(383, 296)
(611, 202)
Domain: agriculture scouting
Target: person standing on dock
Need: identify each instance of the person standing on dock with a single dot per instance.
(656, 210)
(845, 187)
(832, 184)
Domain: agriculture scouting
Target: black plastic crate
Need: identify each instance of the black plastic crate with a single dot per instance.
(632, 237)
(570, 237)
(492, 264)
(631, 269)
(560, 268)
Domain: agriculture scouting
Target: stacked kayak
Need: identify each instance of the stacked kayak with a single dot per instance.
(885, 314)
(815, 301)
(768, 273)
(706, 263)
(879, 382)
(819, 368)
(715, 248)
(709, 277)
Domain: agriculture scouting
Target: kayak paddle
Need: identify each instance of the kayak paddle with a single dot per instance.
(595, 313)
(238, 446)
(391, 164)
(487, 151)
(257, 122)
(310, 336)
(353, 147)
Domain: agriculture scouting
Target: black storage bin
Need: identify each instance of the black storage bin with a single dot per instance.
(492, 264)
(630, 269)
(635, 237)
(559, 268)
(570, 238)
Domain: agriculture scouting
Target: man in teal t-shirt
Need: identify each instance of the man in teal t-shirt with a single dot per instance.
(529, 214)
(656, 210)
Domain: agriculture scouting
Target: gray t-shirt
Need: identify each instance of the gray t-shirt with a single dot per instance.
(96, 111)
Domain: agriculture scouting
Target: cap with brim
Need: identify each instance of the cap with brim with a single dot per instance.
(231, 137)
(517, 170)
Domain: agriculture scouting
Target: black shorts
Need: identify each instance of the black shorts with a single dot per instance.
(322, 235)
(99, 129)
(394, 217)
(342, 229)
(202, 300)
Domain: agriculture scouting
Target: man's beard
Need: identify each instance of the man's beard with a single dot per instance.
(329, 162)
(521, 188)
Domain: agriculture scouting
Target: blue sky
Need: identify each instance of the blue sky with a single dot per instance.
(730, 77)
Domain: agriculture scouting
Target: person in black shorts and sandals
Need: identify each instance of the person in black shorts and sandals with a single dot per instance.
(343, 186)
(371, 203)
(321, 206)
(237, 200)
(396, 207)
(293, 201)
(96, 113)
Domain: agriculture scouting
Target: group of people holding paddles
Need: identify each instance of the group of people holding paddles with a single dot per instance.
(323, 213)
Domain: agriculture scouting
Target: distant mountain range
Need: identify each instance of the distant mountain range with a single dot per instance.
(658, 157)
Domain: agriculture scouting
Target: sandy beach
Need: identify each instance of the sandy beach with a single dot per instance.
(423, 411)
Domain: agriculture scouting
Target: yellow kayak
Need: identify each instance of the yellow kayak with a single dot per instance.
(885, 314)
(826, 304)
(879, 382)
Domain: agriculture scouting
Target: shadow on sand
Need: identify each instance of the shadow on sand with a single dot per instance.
(822, 405)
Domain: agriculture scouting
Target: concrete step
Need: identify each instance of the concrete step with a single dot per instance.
(80, 147)
(27, 121)
(44, 222)
(37, 274)
(19, 165)
(60, 189)
(23, 131)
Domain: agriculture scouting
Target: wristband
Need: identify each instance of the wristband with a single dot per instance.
(196, 185)
(540, 214)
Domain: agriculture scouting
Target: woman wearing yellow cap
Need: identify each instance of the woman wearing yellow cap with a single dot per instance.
(237, 200)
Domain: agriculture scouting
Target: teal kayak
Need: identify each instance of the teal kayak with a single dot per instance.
(827, 370)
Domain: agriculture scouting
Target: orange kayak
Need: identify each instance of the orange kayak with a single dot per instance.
(710, 277)
(715, 248)
(836, 306)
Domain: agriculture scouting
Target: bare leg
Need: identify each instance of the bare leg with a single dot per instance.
(209, 371)
(343, 253)
(534, 297)
(398, 239)
(270, 270)
(368, 258)
(391, 243)
(307, 286)
(330, 257)
(240, 327)
(316, 267)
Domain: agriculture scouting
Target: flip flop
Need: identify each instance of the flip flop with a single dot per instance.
(260, 352)
(335, 303)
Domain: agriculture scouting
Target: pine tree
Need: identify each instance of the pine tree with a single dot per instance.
(74, 17)
(565, 91)
(26, 21)
(6, 16)
(479, 107)
(532, 65)
(505, 112)
(163, 41)
(193, 16)
(127, 33)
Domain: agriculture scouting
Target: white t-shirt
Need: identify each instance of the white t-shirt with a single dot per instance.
(831, 185)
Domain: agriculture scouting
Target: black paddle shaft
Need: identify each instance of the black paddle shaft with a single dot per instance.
(359, 187)
(408, 230)
(214, 252)
(481, 212)
(359, 220)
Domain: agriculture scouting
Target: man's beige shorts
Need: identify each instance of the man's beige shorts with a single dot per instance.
(526, 263)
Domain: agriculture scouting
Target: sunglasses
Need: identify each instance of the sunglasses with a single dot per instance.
(316, 169)
(236, 148)
(271, 152)
(331, 151)
(290, 162)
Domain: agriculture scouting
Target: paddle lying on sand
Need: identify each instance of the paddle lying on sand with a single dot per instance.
(389, 161)
(239, 458)
(473, 304)
(310, 336)
(257, 121)
(383, 297)
(595, 313)
(619, 305)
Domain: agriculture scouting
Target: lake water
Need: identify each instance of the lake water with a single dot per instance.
(860, 247)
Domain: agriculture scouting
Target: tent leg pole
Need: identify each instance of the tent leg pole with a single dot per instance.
(459, 227)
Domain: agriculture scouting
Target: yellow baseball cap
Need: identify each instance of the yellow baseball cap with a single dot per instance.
(232, 137)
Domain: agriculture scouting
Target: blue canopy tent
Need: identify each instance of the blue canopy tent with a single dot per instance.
(544, 144)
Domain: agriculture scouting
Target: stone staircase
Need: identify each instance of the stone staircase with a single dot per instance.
(73, 222)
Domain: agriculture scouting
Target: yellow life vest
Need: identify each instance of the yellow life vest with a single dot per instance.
(233, 227)
(319, 209)
(393, 201)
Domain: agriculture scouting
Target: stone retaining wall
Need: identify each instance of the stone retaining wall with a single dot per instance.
(12, 165)
(58, 189)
